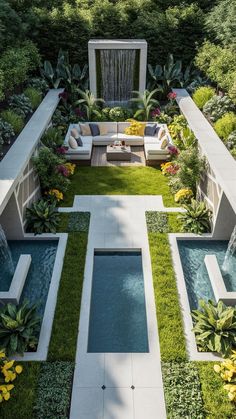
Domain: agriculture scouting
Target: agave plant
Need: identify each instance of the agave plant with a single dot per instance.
(215, 327)
(197, 218)
(42, 217)
(146, 102)
(19, 327)
(90, 103)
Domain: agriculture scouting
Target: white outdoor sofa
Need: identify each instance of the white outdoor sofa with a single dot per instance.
(115, 131)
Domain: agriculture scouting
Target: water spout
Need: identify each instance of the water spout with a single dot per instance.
(230, 253)
(117, 75)
(5, 253)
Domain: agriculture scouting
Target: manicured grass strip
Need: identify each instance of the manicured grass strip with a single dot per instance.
(118, 181)
(66, 319)
(214, 396)
(169, 318)
(20, 405)
(182, 390)
(54, 390)
(63, 226)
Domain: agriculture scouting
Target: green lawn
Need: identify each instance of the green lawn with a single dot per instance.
(118, 181)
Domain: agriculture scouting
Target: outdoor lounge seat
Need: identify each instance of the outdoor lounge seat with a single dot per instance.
(154, 152)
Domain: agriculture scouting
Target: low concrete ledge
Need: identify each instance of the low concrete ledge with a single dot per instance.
(217, 281)
(18, 281)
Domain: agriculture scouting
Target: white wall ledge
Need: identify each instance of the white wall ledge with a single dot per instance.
(18, 281)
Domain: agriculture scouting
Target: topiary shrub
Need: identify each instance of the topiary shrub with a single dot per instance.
(14, 119)
(225, 125)
(34, 96)
(217, 106)
(202, 95)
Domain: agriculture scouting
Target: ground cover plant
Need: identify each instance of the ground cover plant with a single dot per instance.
(182, 390)
(118, 181)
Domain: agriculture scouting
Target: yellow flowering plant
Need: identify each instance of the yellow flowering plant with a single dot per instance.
(70, 167)
(8, 373)
(55, 193)
(169, 168)
(183, 195)
(135, 128)
(227, 371)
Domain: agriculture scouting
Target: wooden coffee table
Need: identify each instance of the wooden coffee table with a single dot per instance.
(118, 153)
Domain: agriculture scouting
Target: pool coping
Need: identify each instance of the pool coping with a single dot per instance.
(48, 317)
(193, 353)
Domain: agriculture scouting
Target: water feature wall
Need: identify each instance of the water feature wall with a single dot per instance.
(230, 254)
(5, 253)
(116, 67)
(117, 74)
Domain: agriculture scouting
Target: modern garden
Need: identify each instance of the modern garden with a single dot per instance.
(117, 209)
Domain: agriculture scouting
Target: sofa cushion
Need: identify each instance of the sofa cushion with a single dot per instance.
(151, 140)
(161, 133)
(150, 129)
(103, 129)
(121, 126)
(129, 137)
(111, 126)
(72, 142)
(85, 129)
(155, 149)
(95, 131)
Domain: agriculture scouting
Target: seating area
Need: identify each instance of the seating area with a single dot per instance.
(155, 139)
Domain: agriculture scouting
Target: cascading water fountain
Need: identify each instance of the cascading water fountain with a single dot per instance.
(230, 254)
(117, 73)
(5, 253)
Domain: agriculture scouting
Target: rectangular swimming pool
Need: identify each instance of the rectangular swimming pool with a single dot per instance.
(118, 321)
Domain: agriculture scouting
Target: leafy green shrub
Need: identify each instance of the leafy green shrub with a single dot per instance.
(146, 103)
(2, 95)
(191, 166)
(202, 95)
(15, 120)
(54, 390)
(215, 327)
(225, 125)
(16, 64)
(182, 391)
(39, 84)
(90, 104)
(119, 114)
(217, 106)
(42, 217)
(19, 328)
(231, 141)
(157, 221)
(46, 164)
(52, 138)
(6, 132)
(197, 218)
(20, 104)
(34, 96)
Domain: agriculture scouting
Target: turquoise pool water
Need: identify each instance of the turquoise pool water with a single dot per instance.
(43, 253)
(118, 320)
(192, 254)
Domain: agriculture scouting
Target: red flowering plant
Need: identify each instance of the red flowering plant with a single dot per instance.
(174, 151)
(169, 168)
(171, 96)
(64, 95)
(81, 114)
(62, 170)
(61, 150)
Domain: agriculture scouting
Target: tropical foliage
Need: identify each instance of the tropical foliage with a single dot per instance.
(19, 328)
(42, 217)
(215, 327)
(197, 217)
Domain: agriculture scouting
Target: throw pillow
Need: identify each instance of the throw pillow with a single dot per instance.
(161, 133)
(150, 130)
(79, 142)
(164, 142)
(95, 131)
(85, 129)
(135, 128)
(103, 129)
(74, 133)
(72, 142)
